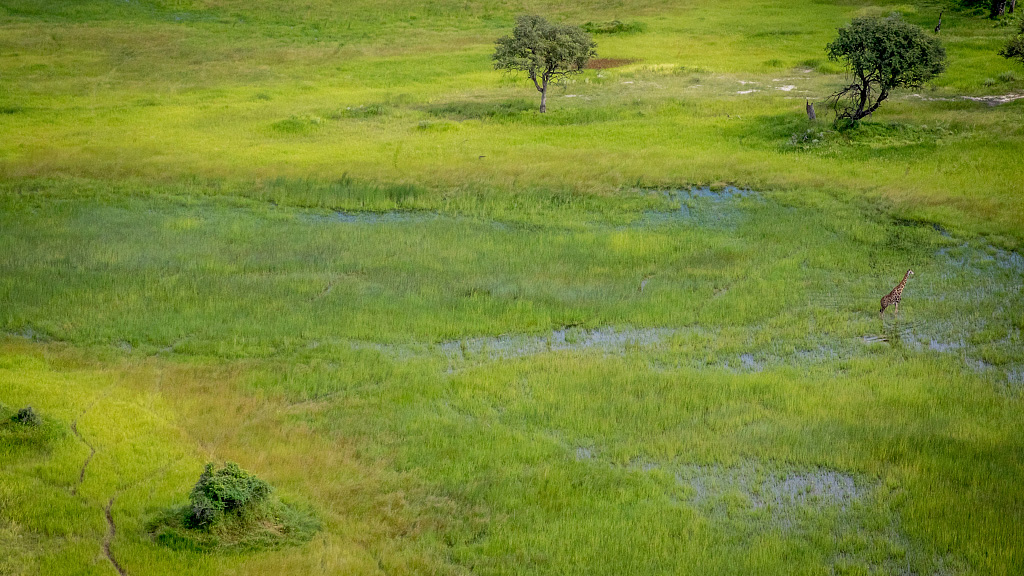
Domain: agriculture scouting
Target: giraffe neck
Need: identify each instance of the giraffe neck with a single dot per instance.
(903, 283)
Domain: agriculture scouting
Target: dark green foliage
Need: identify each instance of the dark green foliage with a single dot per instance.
(991, 8)
(543, 50)
(230, 508)
(881, 54)
(226, 490)
(1014, 49)
(614, 27)
(27, 417)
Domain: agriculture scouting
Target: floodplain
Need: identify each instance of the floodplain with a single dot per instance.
(637, 334)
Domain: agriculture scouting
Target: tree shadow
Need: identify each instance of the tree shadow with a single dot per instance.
(481, 110)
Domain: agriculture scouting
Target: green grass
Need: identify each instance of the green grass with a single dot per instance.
(326, 241)
(338, 332)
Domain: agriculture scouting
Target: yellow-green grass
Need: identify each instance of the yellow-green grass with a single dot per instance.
(153, 425)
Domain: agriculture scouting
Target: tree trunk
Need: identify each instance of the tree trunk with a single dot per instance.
(862, 102)
(1013, 4)
(544, 97)
(871, 109)
(997, 9)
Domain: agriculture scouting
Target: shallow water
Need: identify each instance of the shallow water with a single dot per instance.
(608, 340)
(780, 491)
(703, 207)
(391, 217)
(966, 288)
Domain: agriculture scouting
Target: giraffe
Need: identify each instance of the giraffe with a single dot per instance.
(893, 298)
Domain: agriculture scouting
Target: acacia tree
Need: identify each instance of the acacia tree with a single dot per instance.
(545, 51)
(881, 54)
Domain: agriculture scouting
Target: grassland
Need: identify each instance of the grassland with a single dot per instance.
(327, 242)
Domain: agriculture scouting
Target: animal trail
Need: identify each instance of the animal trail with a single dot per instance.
(92, 452)
(111, 532)
(92, 449)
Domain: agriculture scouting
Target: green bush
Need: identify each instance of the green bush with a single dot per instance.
(227, 490)
(27, 417)
(1014, 49)
(230, 508)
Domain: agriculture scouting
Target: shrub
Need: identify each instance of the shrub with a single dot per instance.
(1014, 49)
(227, 490)
(231, 509)
(27, 417)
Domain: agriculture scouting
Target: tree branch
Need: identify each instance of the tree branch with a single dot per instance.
(533, 76)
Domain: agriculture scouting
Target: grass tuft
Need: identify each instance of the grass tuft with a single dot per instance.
(615, 27)
(298, 125)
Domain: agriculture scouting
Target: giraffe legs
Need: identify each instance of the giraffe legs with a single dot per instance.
(896, 309)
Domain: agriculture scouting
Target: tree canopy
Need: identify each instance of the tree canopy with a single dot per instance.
(544, 50)
(882, 54)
